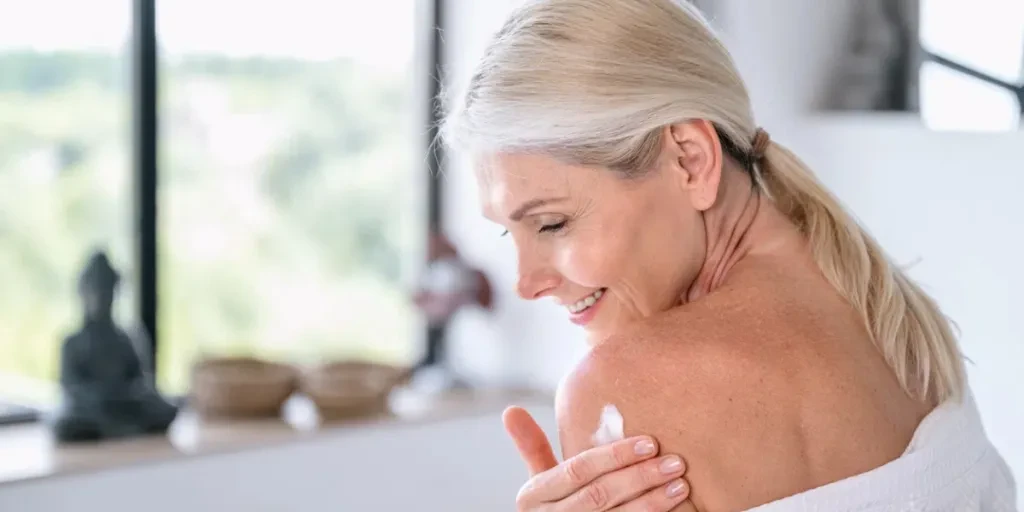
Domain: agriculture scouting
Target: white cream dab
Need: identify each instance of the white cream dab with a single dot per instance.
(610, 429)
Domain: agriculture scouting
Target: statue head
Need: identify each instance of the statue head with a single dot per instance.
(97, 285)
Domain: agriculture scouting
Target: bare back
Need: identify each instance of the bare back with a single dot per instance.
(768, 387)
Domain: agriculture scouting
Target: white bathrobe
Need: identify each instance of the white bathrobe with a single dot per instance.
(949, 466)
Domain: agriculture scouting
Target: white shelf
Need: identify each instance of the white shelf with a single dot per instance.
(29, 452)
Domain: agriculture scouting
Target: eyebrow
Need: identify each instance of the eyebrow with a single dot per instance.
(525, 208)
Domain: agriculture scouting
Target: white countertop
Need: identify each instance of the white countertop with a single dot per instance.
(30, 452)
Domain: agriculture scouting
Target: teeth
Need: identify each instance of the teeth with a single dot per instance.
(586, 302)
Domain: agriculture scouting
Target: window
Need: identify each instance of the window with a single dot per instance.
(65, 178)
(292, 191)
(973, 77)
(289, 198)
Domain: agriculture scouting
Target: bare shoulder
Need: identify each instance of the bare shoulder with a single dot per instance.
(762, 402)
(689, 368)
(647, 377)
(687, 391)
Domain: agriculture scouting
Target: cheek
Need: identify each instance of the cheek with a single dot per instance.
(654, 254)
(592, 259)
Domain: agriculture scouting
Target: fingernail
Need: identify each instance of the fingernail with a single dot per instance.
(645, 447)
(670, 465)
(675, 489)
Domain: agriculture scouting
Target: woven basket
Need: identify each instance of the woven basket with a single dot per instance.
(349, 389)
(240, 387)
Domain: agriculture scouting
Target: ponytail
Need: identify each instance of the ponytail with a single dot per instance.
(906, 324)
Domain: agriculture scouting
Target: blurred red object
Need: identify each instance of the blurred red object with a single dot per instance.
(449, 283)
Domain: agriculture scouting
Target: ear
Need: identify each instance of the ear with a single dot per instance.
(698, 156)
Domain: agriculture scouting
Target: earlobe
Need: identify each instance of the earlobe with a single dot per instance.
(704, 193)
(704, 196)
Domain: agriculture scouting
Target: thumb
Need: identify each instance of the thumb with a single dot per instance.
(530, 439)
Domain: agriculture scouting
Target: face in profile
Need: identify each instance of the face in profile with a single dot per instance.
(609, 249)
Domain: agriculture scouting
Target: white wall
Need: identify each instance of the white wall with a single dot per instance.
(947, 201)
(460, 464)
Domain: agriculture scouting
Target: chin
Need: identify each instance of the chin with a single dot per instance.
(604, 318)
(603, 326)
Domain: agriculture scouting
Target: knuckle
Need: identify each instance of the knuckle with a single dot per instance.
(524, 497)
(623, 455)
(521, 498)
(594, 496)
(521, 504)
(650, 503)
(648, 475)
(576, 470)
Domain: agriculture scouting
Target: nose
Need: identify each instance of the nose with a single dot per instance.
(536, 277)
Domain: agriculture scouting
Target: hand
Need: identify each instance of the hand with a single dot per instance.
(623, 476)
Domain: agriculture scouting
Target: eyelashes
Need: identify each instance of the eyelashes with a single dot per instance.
(550, 228)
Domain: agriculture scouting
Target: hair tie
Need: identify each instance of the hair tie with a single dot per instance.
(760, 144)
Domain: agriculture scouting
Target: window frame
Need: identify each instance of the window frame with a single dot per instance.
(145, 165)
(1017, 90)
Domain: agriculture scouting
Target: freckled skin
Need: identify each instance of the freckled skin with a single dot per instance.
(716, 333)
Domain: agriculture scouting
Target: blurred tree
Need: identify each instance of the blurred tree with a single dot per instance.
(284, 200)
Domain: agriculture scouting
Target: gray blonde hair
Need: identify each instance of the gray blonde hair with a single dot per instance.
(594, 82)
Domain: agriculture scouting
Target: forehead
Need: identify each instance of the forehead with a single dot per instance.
(506, 180)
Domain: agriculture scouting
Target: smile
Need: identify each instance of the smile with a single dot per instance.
(586, 302)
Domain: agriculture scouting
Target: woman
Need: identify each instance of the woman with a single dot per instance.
(737, 314)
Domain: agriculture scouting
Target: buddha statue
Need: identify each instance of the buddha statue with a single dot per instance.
(106, 393)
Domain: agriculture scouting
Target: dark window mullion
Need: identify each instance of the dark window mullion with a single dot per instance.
(434, 85)
(435, 335)
(144, 146)
(1017, 90)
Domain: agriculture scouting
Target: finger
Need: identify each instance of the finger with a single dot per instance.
(570, 476)
(623, 486)
(530, 439)
(662, 499)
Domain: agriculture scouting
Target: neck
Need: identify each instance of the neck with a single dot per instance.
(730, 225)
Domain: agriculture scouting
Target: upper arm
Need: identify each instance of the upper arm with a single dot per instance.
(690, 410)
(597, 381)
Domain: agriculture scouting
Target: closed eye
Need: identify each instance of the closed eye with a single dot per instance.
(553, 227)
(545, 229)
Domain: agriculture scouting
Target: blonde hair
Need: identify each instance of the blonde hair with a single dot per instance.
(594, 82)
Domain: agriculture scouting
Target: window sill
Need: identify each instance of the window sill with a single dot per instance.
(17, 415)
(29, 451)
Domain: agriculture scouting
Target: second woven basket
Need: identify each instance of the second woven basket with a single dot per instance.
(349, 389)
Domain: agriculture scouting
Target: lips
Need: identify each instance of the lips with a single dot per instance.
(583, 311)
(584, 303)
